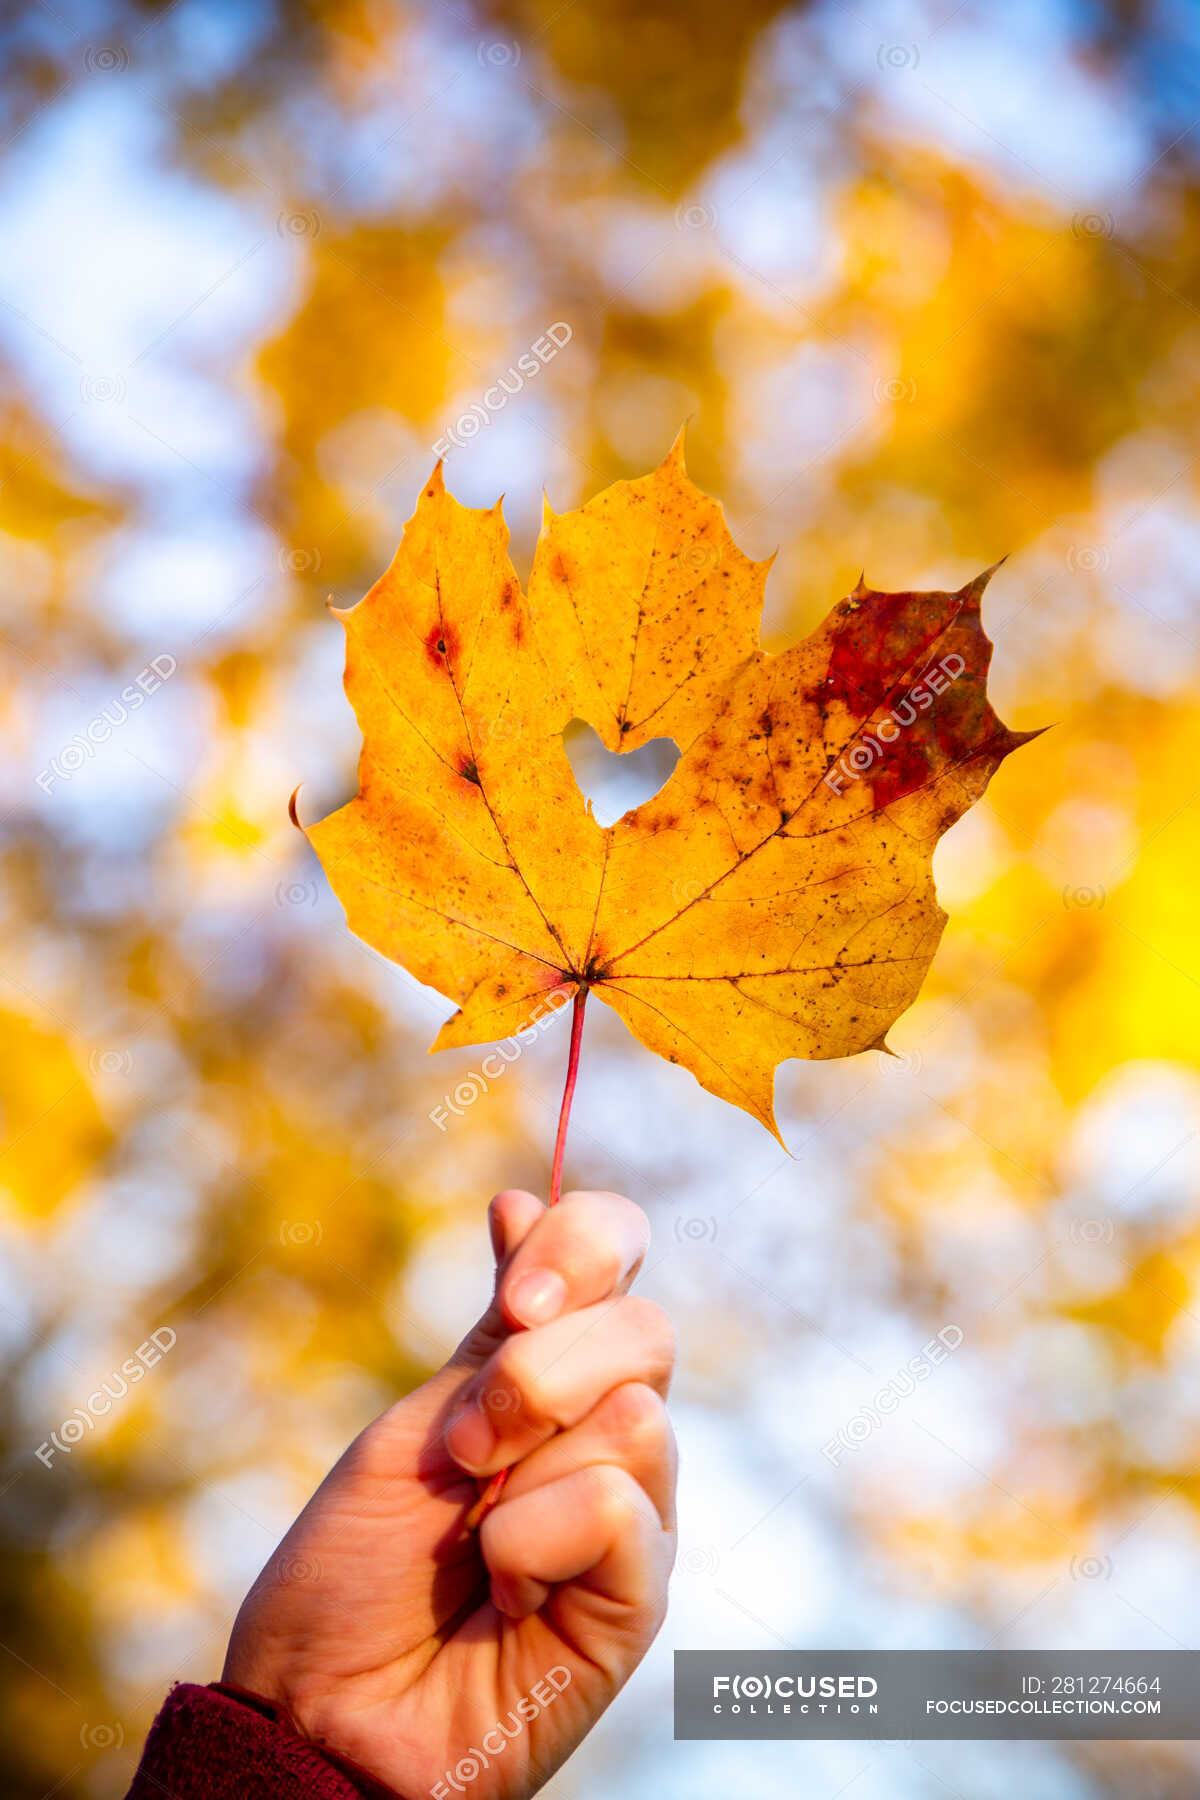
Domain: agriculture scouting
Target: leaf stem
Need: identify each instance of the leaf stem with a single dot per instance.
(564, 1111)
(495, 1486)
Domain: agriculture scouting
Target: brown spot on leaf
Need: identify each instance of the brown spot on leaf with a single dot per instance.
(441, 645)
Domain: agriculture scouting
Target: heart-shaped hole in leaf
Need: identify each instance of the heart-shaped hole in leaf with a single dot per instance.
(615, 782)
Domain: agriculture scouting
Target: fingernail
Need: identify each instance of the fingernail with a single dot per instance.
(537, 1296)
(503, 1598)
(470, 1438)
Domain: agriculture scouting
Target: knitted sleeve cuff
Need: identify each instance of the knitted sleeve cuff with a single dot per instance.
(218, 1743)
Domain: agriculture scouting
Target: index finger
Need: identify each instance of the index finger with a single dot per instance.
(586, 1248)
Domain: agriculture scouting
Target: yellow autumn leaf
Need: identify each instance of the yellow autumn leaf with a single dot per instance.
(774, 900)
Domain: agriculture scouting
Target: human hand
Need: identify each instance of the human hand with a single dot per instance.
(394, 1637)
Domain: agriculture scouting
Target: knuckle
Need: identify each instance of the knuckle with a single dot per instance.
(500, 1400)
(369, 1456)
(583, 1250)
(613, 1497)
(634, 1416)
(525, 1387)
(653, 1326)
(590, 1243)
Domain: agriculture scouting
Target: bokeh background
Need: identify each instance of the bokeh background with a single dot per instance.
(926, 279)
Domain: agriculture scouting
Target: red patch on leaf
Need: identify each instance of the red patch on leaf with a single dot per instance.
(441, 645)
(911, 668)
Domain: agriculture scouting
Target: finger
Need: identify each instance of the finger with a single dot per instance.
(512, 1214)
(537, 1382)
(628, 1429)
(582, 1250)
(596, 1523)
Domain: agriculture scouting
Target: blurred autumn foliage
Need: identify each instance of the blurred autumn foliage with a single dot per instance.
(926, 281)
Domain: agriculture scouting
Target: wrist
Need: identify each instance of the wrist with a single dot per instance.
(312, 1706)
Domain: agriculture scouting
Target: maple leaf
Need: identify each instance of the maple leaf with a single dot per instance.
(775, 899)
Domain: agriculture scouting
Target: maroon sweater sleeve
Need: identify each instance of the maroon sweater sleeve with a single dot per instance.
(218, 1743)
